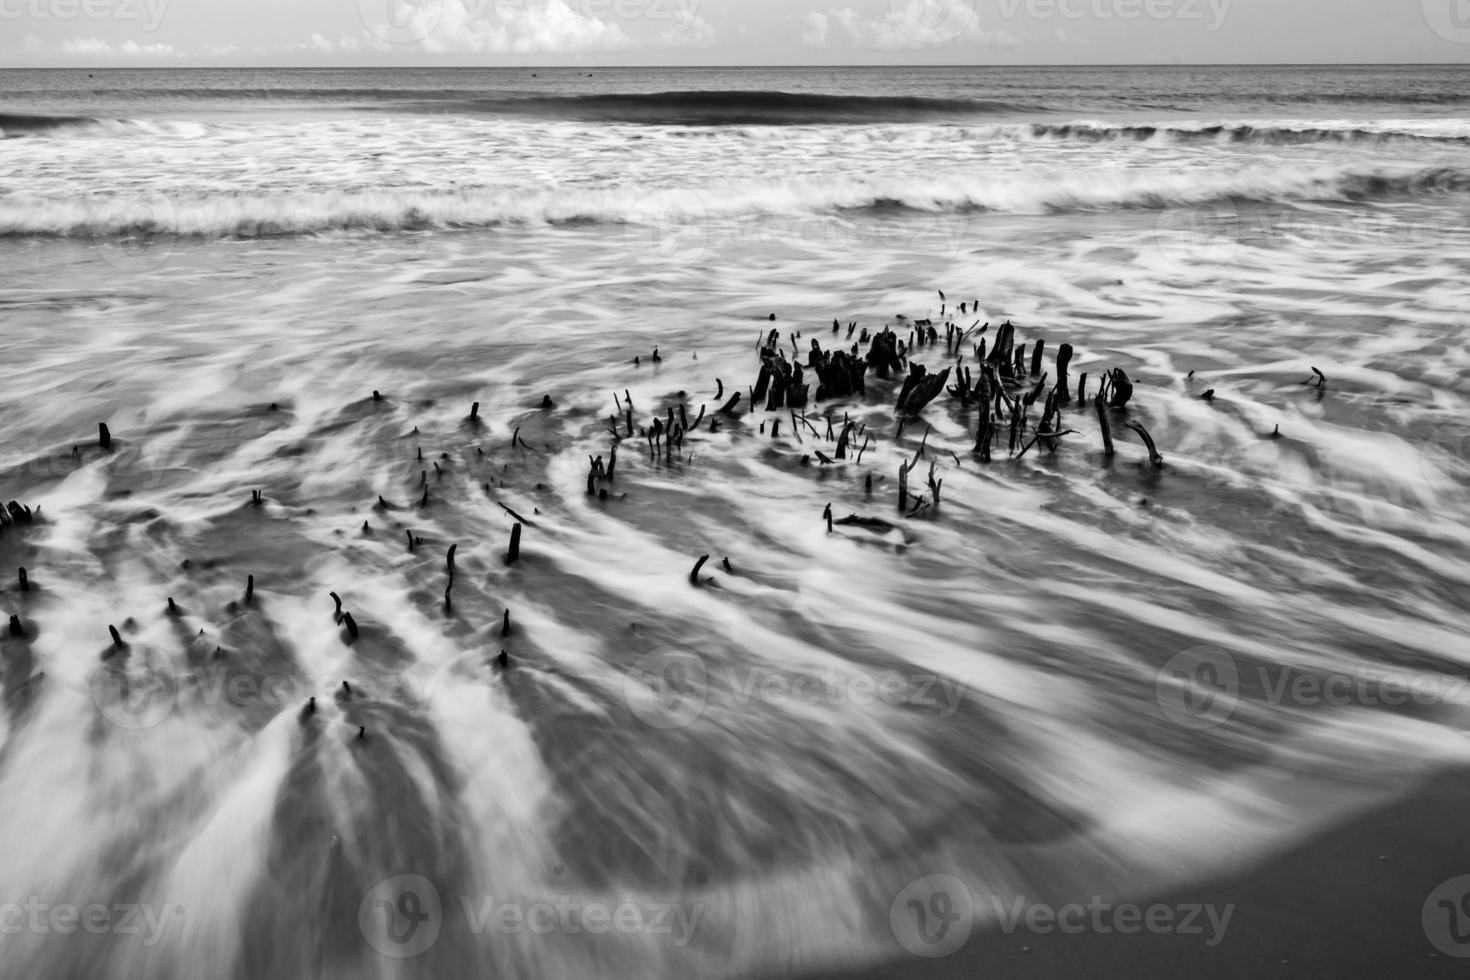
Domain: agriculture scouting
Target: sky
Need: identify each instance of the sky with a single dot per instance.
(328, 33)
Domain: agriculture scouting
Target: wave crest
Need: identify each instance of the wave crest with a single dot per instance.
(392, 209)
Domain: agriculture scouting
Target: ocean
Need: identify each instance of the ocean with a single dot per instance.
(367, 342)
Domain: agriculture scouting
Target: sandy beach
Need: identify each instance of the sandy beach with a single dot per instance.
(1347, 905)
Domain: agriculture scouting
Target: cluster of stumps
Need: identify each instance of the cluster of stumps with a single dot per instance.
(1001, 384)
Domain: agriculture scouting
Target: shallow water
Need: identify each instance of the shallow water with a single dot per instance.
(1026, 685)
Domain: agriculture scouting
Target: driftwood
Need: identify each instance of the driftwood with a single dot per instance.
(919, 389)
(1064, 359)
(871, 523)
(985, 433)
(1153, 452)
(1102, 420)
(1121, 387)
(883, 355)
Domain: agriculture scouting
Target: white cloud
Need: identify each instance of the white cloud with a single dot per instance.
(86, 47)
(497, 27)
(133, 49)
(318, 44)
(907, 24)
(697, 33)
(815, 35)
(91, 47)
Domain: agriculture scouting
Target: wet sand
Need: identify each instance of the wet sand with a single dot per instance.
(1347, 904)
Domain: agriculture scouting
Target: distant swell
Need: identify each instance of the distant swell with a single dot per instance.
(391, 209)
(18, 126)
(735, 108)
(13, 125)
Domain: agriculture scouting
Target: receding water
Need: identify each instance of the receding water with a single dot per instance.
(1068, 676)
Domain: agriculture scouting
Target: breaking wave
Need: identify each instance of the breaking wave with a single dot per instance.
(391, 208)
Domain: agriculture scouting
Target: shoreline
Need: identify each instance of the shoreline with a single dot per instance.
(1347, 904)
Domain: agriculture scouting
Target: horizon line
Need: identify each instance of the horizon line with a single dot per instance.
(726, 67)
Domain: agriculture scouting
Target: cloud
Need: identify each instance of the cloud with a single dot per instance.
(697, 33)
(86, 47)
(133, 49)
(815, 35)
(91, 47)
(495, 27)
(905, 25)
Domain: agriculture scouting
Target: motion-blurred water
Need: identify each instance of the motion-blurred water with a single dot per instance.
(1070, 676)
